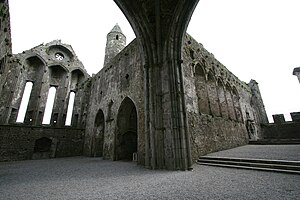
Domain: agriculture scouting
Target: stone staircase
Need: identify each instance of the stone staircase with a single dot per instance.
(283, 166)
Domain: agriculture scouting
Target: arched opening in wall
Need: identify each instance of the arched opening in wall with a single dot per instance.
(43, 148)
(229, 100)
(70, 109)
(34, 71)
(98, 137)
(77, 76)
(213, 95)
(57, 74)
(222, 99)
(24, 102)
(237, 106)
(126, 134)
(49, 105)
(201, 90)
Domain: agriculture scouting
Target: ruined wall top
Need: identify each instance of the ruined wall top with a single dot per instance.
(198, 55)
(54, 53)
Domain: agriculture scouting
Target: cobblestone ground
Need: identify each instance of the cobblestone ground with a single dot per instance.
(92, 178)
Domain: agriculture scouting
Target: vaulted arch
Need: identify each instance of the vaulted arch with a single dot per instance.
(222, 99)
(126, 132)
(213, 95)
(229, 99)
(159, 26)
(98, 136)
(201, 89)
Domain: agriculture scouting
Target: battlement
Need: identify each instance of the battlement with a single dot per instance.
(279, 118)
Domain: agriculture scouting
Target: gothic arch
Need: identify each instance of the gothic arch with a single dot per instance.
(231, 110)
(61, 49)
(98, 136)
(236, 104)
(201, 89)
(77, 77)
(34, 66)
(126, 137)
(222, 99)
(213, 95)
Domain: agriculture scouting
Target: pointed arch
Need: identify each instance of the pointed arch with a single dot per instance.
(231, 110)
(236, 104)
(201, 89)
(222, 99)
(98, 136)
(126, 133)
(213, 95)
(77, 77)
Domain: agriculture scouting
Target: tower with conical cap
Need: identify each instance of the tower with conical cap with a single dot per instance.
(116, 41)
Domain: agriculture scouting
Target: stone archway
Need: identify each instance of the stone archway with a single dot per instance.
(126, 134)
(98, 137)
(159, 26)
(44, 148)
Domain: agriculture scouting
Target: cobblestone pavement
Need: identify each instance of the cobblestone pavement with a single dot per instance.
(273, 152)
(93, 178)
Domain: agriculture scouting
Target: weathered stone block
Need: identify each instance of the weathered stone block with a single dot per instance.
(278, 119)
(295, 116)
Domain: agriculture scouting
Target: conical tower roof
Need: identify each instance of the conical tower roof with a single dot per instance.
(117, 29)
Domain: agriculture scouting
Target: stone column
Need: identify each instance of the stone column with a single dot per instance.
(159, 26)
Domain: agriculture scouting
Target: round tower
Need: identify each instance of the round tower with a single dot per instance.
(116, 41)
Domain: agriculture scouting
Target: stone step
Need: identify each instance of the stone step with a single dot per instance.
(254, 164)
(275, 141)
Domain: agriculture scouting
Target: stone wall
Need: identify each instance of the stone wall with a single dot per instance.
(5, 40)
(120, 81)
(282, 129)
(219, 105)
(53, 65)
(18, 142)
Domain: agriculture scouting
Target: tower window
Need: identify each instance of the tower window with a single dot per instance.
(117, 37)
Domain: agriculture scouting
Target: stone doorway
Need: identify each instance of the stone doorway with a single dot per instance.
(98, 138)
(44, 148)
(126, 134)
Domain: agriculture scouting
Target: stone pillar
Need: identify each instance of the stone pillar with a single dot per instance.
(159, 26)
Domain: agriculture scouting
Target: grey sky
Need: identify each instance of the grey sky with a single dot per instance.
(255, 39)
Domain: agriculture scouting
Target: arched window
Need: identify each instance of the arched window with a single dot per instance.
(201, 90)
(70, 109)
(49, 105)
(24, 102)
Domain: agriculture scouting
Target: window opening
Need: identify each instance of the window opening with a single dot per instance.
(70, 109)
(59, 56)
(49, 105)
(24, 102)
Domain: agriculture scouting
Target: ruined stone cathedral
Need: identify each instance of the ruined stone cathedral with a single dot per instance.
(162, 107)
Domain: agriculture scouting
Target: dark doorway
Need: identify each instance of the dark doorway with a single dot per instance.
(43, 149)
(126, 135)
(98, 137)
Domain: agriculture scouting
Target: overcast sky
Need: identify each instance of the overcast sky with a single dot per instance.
(254, 39)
